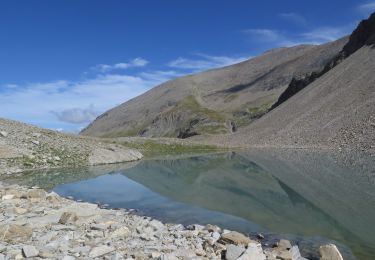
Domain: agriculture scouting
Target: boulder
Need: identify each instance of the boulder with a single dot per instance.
(30, 251)
(253, 252)
(234, 237)
(68, 218)
(284, 244)
(233, 252)
(330, 252)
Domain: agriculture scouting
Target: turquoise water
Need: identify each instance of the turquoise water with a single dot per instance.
(310, 198)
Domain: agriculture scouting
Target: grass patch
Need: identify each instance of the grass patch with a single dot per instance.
(151, 148)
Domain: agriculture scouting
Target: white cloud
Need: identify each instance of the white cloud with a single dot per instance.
(137, 62)
(77, 115)
(73, 103)
(204, 62)
(294, 17)
(367, 8)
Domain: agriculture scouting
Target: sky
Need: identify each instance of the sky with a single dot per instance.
(62, 63)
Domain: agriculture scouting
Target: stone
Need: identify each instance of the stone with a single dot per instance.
(284, 244)
(19, 211)
(36, 194)
(233, 252)
(100, 251)
(330, 252)
(234, 237)
(120, 232)
(2, 257)
(99, 227)
(212, 228)
(7, 197)
(296, 255)
(3, 133)
(68, 218)
(35, 142)
(68, 257)
(253, 252)
(215, 235)
(15, 233)
(30, 251)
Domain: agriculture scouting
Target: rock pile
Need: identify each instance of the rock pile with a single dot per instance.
(39, 225)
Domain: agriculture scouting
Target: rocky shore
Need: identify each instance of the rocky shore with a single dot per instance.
(40, 225)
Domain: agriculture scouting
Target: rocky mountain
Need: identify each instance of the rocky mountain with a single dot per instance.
(218, 101)
(336, 110)
(25, 147)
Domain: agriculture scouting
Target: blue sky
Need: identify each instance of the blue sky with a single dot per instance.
(64, 62)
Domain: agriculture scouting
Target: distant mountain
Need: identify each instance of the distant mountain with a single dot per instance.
(218, 101)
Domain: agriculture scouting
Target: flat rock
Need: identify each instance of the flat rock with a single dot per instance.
(100, 251)
(234, 237)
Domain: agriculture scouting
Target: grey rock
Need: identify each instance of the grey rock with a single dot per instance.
(100, 251)
(3, 133)
(68, 257)
(233, 252)
(30, 251)
(284, 244)
(253, 252)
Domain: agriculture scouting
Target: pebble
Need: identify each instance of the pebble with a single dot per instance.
(30, 251)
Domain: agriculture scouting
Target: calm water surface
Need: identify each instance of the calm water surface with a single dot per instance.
(308, 197)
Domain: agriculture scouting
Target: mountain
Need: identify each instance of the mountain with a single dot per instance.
(337, 109)
(218, 101)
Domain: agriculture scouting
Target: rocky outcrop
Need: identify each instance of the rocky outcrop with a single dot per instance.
(58, 228)
(26, 147)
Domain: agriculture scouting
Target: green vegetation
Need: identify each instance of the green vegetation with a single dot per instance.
(152, 148)
(246, 116)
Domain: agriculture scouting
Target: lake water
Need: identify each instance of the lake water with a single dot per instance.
(308, 197)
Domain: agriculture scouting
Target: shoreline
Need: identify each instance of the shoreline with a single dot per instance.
(44, 225)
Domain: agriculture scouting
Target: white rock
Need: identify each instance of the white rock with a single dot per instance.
(100, 251)
(329, 252)
(253, 252)
(7, 197)
(3, 133)
(234, 252)
(68, 257)
(30, 251)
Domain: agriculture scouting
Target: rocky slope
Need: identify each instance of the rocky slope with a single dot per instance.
(39, 225)
(214, 102)
(25, 147)
(336, 110)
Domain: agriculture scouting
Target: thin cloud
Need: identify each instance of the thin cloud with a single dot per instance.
(137, 62)
(77, 115)
(204, 62)
(366, 8)
(326, 34)
(273, 38)
(294, 18)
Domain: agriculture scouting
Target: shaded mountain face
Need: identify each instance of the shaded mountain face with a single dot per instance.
(217, 101)
(335, 110)
(364, 35)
